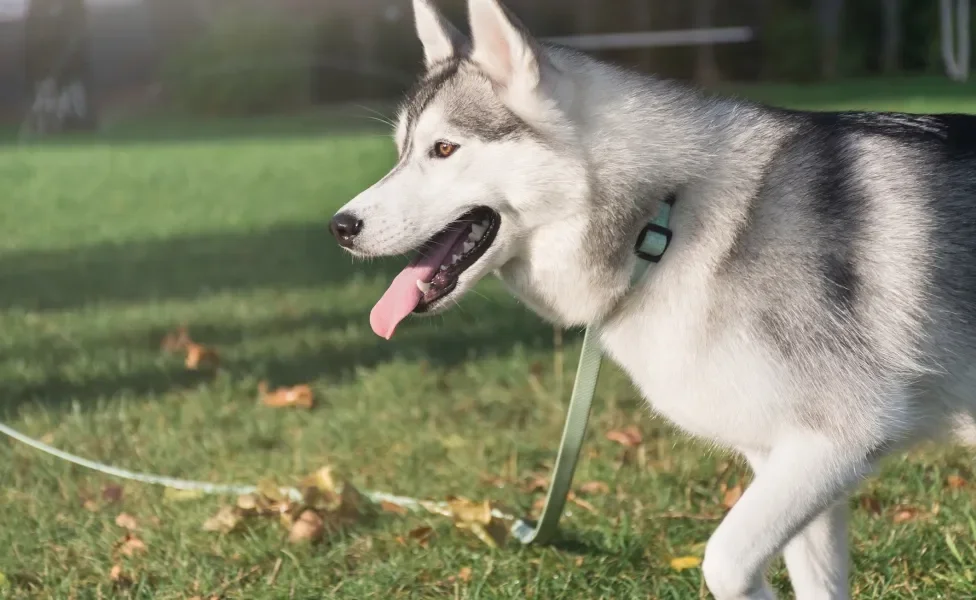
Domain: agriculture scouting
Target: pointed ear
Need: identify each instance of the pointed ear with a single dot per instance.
(503, 48)
(440, 39)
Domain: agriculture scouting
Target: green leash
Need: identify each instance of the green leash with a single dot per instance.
(651, 244)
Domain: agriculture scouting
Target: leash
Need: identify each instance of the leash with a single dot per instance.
(652, 241)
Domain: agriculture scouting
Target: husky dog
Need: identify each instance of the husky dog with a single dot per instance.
(814, 312)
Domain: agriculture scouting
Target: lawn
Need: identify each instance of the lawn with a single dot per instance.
(110, 242)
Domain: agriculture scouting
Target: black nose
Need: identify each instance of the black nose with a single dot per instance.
(345, 227)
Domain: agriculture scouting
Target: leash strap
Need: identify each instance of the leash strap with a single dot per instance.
(653, 240)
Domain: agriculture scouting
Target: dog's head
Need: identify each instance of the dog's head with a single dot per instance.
(486, 164)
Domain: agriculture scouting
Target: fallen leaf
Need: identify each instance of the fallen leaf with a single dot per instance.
(871, 504)
(421, 535)
(594, 488)
(731, 495)
(467, 511)
(393, 508)
(47, 438)
(299, 395)
(112, 493)
(199, 356)
(308, 528)
(90, 505)
(181, 495)
(117, 576)
(127, 521)
(904, 514)
(581, 503)
(685, 562)
(132, 545)
(175, 340)
(629, 437)
(579, 561)
(464, 574)
(227, 519)
(955, 482)
(536, 482)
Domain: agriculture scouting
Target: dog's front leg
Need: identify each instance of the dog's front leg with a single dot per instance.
(817, 558)
(799, 479)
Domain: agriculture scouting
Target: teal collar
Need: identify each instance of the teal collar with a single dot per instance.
(651, 244)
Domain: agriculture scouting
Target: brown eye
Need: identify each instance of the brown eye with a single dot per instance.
(444, 149)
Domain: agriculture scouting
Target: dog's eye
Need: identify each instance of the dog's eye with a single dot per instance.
(443, 149)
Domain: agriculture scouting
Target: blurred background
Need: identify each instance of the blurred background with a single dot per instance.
(99, 60)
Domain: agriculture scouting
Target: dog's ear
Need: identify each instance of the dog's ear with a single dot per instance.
(503, 48)
(440, 39)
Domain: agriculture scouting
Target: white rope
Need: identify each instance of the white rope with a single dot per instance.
(208, 488)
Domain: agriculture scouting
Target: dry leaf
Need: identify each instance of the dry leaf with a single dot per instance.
(308, 528)
(90, 505)
(731, 495)
(629, 437)
(466, 511)
(685, 562)
(955, 482)
(871, 504)
(393, 508)
(131, 545)
(579, 561)
(904, 514)
(421, 535)
(594, 488)
(535, 483)
(119, 577)
(199, 356)
(581, 503)
(175, 340)
(127, 521)
(227, 519)
(112, 493)
(299, 395)
(464, 574)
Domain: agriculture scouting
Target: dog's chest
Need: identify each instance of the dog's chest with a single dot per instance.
(714, 385)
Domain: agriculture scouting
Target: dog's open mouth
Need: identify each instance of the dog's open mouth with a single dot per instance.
(434, 273)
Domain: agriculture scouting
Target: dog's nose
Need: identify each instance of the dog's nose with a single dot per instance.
(345, 227)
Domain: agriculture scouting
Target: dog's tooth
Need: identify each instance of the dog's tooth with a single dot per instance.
(443, 267)
(476, 232)
(423, 286)
(468, 246)
(486, 223)
(456, 258)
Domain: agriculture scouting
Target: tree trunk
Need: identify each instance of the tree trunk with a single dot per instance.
(828, 14)
(891, 49)
(706, 68)
(955, 49)
(58, 68)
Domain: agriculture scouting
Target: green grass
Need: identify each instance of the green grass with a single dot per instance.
(110, 242)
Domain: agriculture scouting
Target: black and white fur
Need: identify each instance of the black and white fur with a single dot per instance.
(814, 312)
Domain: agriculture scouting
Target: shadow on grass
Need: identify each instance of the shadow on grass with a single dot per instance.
(286, 257)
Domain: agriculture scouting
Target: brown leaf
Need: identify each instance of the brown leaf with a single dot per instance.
(393, 508)
(299, 395)
(536, 482)
(629, 437)
(871, 504)
(731, 495)
(175, 340)
(955, 482)
(227, 519)
(199, 356)
(581, 503)
(112, 493)
(118, 576)
(464, 574)
(467, 511)
(127, 521)
(421, 535)
(579, 561)
(594, 488)
(132, 545)
(90, 505)
(903, 514)
(308, 528)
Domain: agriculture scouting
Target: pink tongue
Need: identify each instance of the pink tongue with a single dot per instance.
(403, 295)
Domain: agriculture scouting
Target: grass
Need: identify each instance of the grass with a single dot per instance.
(110, 242)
